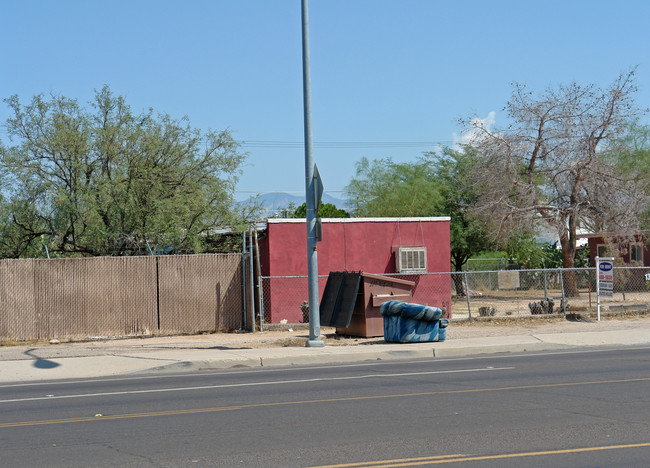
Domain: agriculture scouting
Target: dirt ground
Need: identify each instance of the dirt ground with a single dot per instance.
(459, 329)
(296, 335)
(515, 303)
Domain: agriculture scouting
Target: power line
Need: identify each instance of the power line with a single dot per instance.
(328, 144)
(290, 192)
(343, 144)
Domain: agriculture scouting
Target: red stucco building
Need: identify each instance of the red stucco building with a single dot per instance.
(632, 249)
(373, 245)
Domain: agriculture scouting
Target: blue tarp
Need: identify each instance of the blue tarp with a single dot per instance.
(412, 323)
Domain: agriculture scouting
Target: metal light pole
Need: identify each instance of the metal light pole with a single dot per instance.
(312, 257)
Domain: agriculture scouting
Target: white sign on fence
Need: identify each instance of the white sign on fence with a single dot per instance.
(606, 288)
(605, 278)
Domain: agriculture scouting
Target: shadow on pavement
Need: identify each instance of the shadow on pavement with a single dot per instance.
(228, 348)
(40, 363)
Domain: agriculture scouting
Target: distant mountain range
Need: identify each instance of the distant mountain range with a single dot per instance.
(274, 203)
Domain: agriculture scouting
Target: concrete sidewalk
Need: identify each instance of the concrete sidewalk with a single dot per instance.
(22, 364)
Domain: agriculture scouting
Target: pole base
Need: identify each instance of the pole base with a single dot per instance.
(317, 343)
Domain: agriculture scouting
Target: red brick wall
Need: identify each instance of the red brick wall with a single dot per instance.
(594, 241)
(354, 245)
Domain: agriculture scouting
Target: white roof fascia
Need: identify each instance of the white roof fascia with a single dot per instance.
(361, 220)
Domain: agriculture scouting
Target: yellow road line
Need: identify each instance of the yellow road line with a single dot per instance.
(374, 464)
(119, 416)
(327, 400)
(463, 458)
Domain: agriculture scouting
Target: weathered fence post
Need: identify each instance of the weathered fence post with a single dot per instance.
(563, 301)
(469, 309)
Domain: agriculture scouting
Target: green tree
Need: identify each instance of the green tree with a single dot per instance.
(105, 181)
(385, 188)
(327, 210)
(545, 167)
(449, 172)
(524, 249)
(436, 185)
(631, 155)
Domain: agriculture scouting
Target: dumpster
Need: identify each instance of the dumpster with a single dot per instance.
(351, 301)
(412, 323)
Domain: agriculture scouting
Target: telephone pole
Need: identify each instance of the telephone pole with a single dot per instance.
(315, 339)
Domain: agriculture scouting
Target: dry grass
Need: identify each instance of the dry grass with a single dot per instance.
(10, 342)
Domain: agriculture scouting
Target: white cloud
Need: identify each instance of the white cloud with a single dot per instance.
(473, 131)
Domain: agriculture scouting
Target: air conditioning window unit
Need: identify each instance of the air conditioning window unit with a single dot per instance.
(411, 259)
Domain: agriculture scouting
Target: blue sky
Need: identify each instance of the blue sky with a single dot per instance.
(382, 71)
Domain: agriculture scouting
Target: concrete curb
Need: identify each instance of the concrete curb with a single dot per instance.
(130, 362)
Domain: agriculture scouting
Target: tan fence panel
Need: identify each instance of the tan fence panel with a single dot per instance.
(18, 315)
(89, 297)
(200, 293)
(124, 299)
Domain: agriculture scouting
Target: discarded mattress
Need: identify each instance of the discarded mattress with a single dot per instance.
(412, 323)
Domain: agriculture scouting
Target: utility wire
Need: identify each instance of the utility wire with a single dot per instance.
(328, 144)
(342, 144)
(290, 192)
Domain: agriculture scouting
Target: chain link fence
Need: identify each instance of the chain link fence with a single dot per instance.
(485, 264)
(285, 298)
(548, 291)
(471, 294)
(119, 296)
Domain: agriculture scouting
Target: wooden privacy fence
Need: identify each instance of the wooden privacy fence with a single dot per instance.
(115, 296)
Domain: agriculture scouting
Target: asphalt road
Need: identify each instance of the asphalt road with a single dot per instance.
(553, 409)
